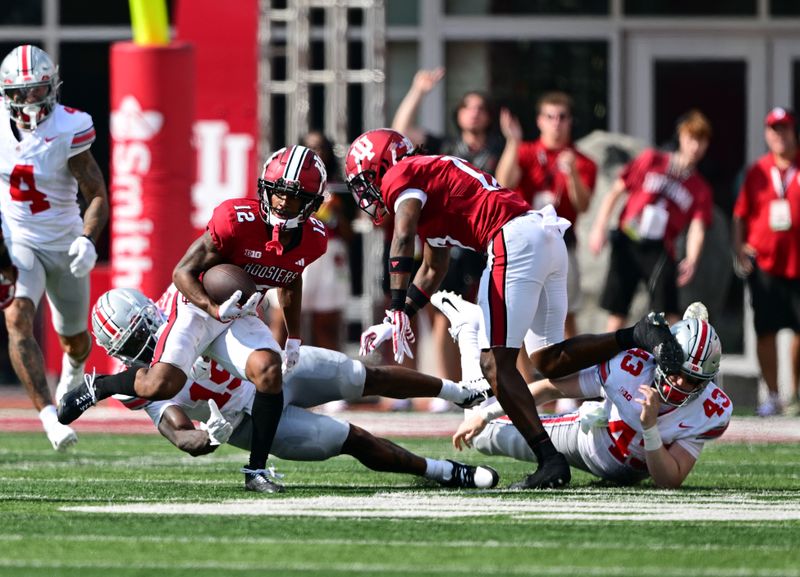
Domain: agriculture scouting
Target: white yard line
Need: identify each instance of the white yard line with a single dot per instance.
(474, 544)
(410, 506)
(275, 565)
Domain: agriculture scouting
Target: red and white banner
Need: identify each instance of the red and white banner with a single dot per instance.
(152, 163)
(226, 120)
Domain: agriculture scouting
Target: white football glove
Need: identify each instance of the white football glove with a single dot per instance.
(230, 309)
(402, 335)
(217, 426)
(82, 248)
(291, 354)
(375, 336)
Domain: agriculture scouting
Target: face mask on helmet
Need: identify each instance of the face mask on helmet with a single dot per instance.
(702, 352)
(29, 85)
(368, 159)
(294, 172)
(125, 323)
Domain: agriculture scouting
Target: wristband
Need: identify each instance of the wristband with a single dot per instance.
(91, 240)
(401, 264)
(418, 300)
(398, 302)
(652, 439)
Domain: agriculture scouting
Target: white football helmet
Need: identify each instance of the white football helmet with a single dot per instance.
(124, 323)
(703, 352)
(293, 171)
(29, 85)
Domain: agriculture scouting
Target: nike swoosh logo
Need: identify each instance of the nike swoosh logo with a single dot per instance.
(49, 139)
(448, 301)
(682, 426)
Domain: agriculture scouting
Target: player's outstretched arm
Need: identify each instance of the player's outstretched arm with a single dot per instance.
(199, 257)
(651, 333)
(572, 355)
(178, 428)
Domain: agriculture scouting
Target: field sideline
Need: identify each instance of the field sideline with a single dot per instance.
(133, 505)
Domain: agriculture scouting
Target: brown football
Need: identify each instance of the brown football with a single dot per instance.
(222, 280)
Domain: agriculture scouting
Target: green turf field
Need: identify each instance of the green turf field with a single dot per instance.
(739, 515)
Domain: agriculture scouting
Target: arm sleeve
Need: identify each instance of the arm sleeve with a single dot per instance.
(410, 193)
(219, 227)
(83, 135)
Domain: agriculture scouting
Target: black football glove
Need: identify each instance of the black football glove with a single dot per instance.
(652, 334)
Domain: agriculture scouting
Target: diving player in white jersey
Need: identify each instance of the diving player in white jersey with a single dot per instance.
(649, 423)
(44, 162)
(125, 323)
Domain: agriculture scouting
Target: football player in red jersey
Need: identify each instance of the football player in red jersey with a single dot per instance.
(273, 238)
(448, 202)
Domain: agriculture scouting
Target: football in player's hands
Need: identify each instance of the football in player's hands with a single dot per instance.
(222, 280)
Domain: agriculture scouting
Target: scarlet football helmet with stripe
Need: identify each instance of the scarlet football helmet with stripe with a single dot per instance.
(292, 171)
(368, 159)
(124, 323)
(29, 85)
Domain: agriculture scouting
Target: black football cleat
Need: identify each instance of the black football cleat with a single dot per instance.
(75, 402)
(469, 477)
(553, 473)
(259, 481)
(475, 397)
(652, 334)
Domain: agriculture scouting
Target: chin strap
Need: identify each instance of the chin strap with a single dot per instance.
(275, 244)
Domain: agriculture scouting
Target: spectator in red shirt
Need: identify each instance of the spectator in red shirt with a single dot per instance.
(766, 237)
(550, 171)
(666, 195)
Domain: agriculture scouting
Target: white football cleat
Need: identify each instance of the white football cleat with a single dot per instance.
(71, 377)
(696, 310)
(61, 436)
(458, 311)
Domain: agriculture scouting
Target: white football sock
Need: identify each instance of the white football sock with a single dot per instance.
(438, 470)
(48, 416)
(451, 391)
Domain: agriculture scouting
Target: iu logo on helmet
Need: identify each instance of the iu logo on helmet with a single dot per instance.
(362, 150)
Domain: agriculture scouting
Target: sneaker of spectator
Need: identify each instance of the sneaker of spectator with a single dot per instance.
(792, 409)
(770, 407)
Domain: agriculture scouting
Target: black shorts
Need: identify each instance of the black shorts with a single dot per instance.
(775, 301)
(632, 262)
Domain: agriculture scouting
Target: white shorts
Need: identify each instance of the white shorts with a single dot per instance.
(190, 332)
(301, 435)
(326, 281)
(524, 285)
(47, 270)
(321, 376)
(501, 437)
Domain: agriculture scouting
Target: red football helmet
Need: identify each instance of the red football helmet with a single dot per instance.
(293, 171)
(368, 159)
(703, 352)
